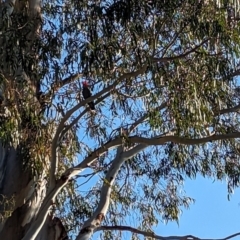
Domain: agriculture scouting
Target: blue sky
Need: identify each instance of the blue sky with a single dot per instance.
(211, 216)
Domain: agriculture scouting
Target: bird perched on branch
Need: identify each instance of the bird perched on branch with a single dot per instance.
(87, 94)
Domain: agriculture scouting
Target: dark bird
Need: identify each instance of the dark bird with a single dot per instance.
(87, 94)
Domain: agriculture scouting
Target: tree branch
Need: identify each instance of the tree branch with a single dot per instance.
(54, 162)
(132, 152)
(107, 89)
(43, 211)
(145, 142)
(93, 156)
(59, 84)
(172, 41)
(81, 115)
(99, 214)
(153, 235)
(52, 192)
(230, 110)
(92, 223)
(145, 116)
(132, 230)
(236, 73)
(182, 140)
(167, 59)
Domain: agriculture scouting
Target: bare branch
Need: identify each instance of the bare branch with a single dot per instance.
(230, 110)
(154, 236)
(182, 140)
(92, 223)
(93, 156)
(81, 115)
(145, 142)
(132, 152)
(167, 59)
(236, 73)
(36, 226)
(133, 230)
(52, 193)
(172, 41)
(99, 214)
(59, 84)
(145, 116)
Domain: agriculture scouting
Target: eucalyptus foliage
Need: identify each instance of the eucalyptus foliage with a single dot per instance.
(182, 58)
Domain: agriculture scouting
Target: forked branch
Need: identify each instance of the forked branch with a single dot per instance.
(68, 114)
(92, 223)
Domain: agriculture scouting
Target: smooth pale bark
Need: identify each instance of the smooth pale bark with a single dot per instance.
(91, 225)
(21, 193)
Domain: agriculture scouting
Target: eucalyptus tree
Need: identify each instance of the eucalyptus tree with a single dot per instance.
(163, 81)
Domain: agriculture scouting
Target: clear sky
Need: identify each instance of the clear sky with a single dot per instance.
(211, 216)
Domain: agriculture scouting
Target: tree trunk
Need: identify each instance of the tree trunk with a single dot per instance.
(20, 195)
(23, 165)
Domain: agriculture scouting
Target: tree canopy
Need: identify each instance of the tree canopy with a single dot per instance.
(163, 76)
